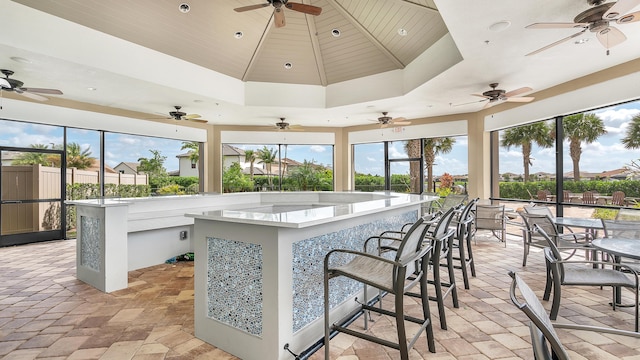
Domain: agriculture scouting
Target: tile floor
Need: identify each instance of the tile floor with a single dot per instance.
(45, 313)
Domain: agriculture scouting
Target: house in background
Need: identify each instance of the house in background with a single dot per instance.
(127, 168)
(232, 154)
(185, 166)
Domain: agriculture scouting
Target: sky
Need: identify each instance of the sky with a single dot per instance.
(607, 153)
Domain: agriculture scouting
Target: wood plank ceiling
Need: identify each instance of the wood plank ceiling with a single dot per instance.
(369, 43)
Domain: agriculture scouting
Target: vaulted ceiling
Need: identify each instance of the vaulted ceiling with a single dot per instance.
(417, 58)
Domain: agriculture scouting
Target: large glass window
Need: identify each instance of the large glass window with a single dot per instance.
(600, 154)
(265, 167)
(585, 166)
(143, 165)
(527, 163)
(444, 159)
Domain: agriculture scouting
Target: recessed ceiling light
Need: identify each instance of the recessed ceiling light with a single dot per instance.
(238, 35)
(500, 25)
(91, 89)
(288, 65)
(335, 32)
(402, 32)
(21, 60)
(184, 8)
(197, 101)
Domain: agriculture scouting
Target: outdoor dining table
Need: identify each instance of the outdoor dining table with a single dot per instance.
(590, 225)
(619, 248)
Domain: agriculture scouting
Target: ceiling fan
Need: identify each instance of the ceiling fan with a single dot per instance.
(283, 125)
(385, 120)
(496, 95)
(179, 115)
(9, 84)
(597, 20)
(278, 14)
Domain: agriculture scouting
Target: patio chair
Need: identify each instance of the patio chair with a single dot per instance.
(545, 341)
(628, 214)
(491, 217)
(452, 200)
(626, 230)
(531, 238)
(588, 197)
(583, 273)
(462, 241)
(390, 275)
(440, 237)
(431, 206)
(543, 195)
(617, 198)
(540, 210)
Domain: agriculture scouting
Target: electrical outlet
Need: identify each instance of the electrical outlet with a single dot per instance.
(183, 235)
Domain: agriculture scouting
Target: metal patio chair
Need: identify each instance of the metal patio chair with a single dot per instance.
(583, 273)
(395, 276)
(545, 341)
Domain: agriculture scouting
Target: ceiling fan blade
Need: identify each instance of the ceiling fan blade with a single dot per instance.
(482, 96)
(401, 122)
(191, 116)
(304, 8)
(278, 17)
(398, 119)
(633, 17)
(610, 37)
(557, 43)
(520, 99)
(555, 25)
(251, 7)
(515, 92)
(33, 96)
(43, 91)
(488, 105)
(197, 120)
(620, 7)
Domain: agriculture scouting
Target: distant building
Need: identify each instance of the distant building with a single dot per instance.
(185, 166)
(232, 154)
(127, 167)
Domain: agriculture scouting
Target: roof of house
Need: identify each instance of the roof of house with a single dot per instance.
(228, 150)
(131, 165)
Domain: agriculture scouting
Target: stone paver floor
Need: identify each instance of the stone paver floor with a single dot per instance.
(45, 313)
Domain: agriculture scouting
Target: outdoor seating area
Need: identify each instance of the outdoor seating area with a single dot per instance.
(46, 312)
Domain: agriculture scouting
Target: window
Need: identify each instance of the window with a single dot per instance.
(264, 167)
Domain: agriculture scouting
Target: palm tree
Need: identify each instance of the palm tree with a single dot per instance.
(578, 128)
(432, 148)
(412, 147)
(33, 158)
(525, 136)
(78, 158)
(632, 138)
(194, 150)
(250, 156)
(267, 156)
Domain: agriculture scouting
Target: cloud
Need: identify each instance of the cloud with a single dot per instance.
(318, 148)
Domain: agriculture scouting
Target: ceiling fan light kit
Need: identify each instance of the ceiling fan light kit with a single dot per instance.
(596, 19)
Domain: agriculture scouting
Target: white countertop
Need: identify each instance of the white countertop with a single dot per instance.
(284, 211)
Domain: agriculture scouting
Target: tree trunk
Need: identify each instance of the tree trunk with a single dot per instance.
(413, 151)
(526, 160)
(575, 150)
(429, 159)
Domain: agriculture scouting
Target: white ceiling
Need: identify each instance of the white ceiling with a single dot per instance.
(235, 84)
